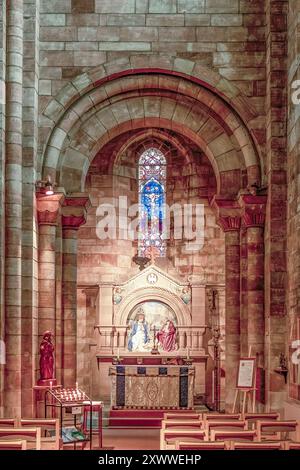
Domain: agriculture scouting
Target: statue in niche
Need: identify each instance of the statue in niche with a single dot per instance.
(47, 359)
(117, 297)
(186, 295)
(166, 336)
(139, 339)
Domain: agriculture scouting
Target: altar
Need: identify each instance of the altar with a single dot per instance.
(152, 387)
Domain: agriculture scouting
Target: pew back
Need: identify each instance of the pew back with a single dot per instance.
(13, 445)
(47, 425)
(31, 435)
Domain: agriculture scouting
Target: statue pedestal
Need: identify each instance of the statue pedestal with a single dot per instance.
(39, 398)
(47, 382)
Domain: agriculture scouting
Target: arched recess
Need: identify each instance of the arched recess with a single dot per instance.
(160, 137)
(138, 296)
(182, 96)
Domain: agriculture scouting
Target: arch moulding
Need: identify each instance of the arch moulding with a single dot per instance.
(158, 294)
(73, 115)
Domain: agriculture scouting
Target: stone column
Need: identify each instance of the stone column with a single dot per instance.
(2, 196)
(231, 226)
(48, 211)
(13, 208)
(86, 340)
(253, 222)
(244, 292)
(73, 216)
(275, 168)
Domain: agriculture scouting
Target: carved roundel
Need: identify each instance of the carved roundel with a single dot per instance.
(152, 278)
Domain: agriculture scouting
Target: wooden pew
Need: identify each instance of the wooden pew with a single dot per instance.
(252, 418)
(256, 446)
(31, 435)
(182, 416)
(168, 437)
(290, 445)
(13, 445)
(181, 424)
(277, 429)
(46, 425)
(8, 422)
(233, 435)
(221, 416)
(182, 445)
(214, 425)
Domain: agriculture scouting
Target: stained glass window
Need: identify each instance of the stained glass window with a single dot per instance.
(152, 180)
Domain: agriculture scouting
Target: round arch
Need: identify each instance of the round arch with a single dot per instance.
(138, 296)
(95, 110)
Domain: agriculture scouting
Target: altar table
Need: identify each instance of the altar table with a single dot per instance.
(152, 387)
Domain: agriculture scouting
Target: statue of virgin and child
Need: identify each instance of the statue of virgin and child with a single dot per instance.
(139, 337)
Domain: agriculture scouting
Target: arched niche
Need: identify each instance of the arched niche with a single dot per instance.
(154, 294)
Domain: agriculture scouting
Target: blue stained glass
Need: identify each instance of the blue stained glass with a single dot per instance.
(152, 176)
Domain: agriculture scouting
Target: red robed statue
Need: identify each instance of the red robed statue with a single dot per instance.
(47, 359)
(167, 336)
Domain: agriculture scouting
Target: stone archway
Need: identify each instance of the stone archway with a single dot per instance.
(93, 109)
(189, 100)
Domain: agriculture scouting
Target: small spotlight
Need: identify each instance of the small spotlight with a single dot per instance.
(45, 187)
(49, 187)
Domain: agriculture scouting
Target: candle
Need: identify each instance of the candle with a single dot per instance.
(50, 384)
(188, 353)
(118, 353)
(76, 385)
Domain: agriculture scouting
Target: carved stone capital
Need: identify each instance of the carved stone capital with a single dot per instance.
(74, 210)
(228, 213)
(253, 210)
(230, 223)
(48, 208)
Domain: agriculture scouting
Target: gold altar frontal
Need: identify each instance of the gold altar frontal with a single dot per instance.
(152, 387)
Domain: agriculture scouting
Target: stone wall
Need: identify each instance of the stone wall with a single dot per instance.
(275, 232)
(227, 36)
(186, 184)
(293, 219)
(2, 182)
(44, 46)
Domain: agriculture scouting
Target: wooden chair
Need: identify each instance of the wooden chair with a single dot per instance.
(252, 418)
(225, 426)
(221, 416)
(256, 446)
(8, 422)
(31, 435)
(181, 423)
(182, 445)
(233, 435)
(278, 430)
(13, 445)
(289, 445)
(48, 426)
(182, 416)
(168, 437)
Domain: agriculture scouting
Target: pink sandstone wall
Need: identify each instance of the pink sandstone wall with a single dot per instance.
(293, 216)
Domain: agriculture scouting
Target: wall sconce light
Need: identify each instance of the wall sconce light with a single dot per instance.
(45, 186)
